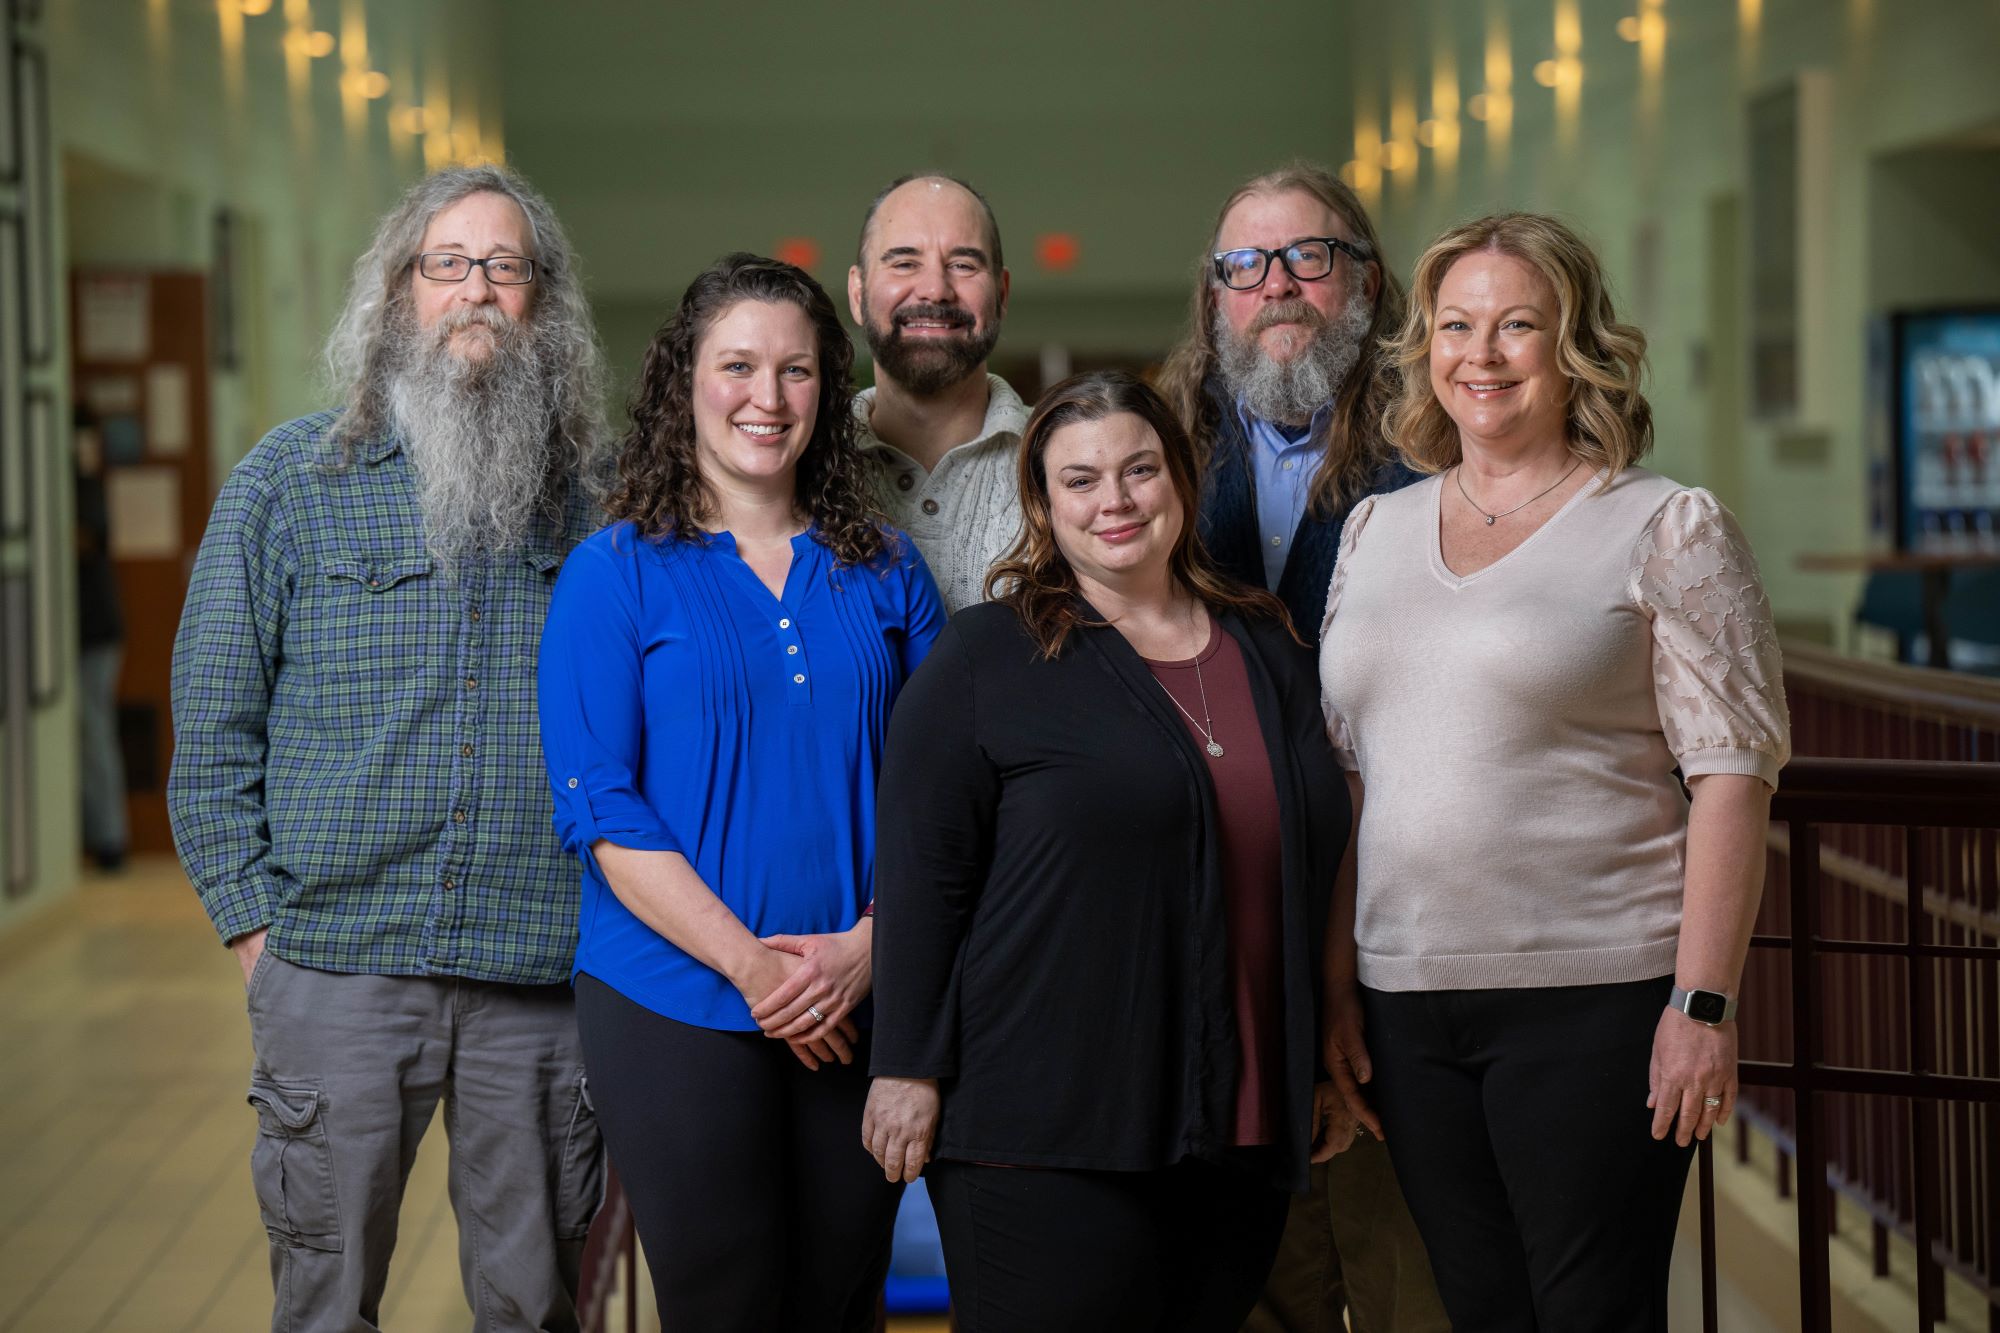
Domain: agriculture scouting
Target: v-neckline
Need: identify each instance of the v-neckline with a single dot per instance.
(1443, 571)
(783, 597)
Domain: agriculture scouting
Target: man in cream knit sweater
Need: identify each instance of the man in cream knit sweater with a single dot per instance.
(929, 290)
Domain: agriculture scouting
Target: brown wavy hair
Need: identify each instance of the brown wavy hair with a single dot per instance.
(1035, 579)
(659, 487)
(1609, 421)
(1353, 450)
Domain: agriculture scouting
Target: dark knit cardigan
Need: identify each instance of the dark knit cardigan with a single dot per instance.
(1229, 521)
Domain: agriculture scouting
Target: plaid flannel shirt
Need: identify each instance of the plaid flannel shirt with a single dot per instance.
(357, 763)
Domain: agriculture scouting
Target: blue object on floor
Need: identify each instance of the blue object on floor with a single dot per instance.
(916, 1266)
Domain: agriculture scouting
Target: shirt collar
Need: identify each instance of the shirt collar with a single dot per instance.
(1006, 417)
(1271, 436)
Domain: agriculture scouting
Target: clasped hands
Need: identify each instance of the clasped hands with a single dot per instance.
(803, 990)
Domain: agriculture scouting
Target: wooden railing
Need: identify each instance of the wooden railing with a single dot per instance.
(1871, 1028)
(1869, 1041)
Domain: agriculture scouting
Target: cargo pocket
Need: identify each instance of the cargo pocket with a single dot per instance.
(291, 1167)
(581, 1188)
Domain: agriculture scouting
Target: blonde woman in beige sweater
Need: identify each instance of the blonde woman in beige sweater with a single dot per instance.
(1538, 941)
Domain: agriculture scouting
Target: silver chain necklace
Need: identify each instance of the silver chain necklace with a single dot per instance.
(1206, 723)
(1459, 473)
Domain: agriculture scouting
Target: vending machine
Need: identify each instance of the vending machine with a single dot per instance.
(1945, 368)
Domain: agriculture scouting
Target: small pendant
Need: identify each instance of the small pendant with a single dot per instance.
(1490, 518)
(1215, 749)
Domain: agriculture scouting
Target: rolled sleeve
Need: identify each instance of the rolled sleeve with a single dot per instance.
(591, 692)
(1718, 677)
(227, 654)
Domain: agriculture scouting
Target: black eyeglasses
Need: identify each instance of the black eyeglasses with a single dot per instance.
(506, 270)
(1307, 260)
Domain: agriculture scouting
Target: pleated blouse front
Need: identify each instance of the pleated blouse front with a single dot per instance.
(684, 708)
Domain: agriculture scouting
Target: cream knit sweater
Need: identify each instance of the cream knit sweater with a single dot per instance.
(1517, 729)
(964, 513)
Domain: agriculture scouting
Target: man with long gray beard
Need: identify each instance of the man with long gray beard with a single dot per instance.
(941, 435)
(357, 789)
(1279, 379)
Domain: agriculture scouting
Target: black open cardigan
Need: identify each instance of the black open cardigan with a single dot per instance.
(1050, 935)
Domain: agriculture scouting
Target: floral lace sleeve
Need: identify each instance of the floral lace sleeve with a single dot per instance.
(1336, 725)
(1717, 677)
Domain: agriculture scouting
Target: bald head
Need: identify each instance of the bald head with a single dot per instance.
(923, 193)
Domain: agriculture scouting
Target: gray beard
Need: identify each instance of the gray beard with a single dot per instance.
(477, 433)
(1288, 393)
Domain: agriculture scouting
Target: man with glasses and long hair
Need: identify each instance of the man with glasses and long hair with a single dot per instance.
(940, 433)
(357, 789)
(1278, 380)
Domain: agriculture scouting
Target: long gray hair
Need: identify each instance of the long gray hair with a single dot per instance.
(359, 352)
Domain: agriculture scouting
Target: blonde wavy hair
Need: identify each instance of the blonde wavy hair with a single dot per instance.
(1609, 422)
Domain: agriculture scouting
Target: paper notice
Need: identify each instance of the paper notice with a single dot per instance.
(167, 410)
(144, 512)
(112, 314)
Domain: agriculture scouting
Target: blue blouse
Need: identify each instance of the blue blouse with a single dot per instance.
(686, 709)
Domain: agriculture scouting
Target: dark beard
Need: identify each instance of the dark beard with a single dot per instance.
(927, 367)
(477, 432)
(1288, 393)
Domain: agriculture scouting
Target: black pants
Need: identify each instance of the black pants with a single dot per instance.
(757, 1205)
(1185, 1248)
(1518, 1124)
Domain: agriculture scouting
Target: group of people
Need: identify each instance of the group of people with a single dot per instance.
(826, 788)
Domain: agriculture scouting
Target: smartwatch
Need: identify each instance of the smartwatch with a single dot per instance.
(1707, 1007)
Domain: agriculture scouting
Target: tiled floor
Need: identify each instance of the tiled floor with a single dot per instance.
(125, 1198)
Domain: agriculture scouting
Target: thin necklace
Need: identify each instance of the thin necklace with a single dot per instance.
(1459, 472)
(1206, 722)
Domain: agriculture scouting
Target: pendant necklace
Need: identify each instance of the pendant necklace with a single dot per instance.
(1207, 723)
(1459, 472)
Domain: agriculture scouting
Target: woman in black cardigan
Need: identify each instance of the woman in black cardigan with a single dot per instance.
(1110, 823)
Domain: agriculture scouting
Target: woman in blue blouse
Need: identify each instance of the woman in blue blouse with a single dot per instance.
(717, 672)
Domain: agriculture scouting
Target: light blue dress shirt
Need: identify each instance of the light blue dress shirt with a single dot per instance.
(1283, 467)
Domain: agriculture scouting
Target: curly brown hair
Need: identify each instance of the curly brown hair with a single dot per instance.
(660, 489)
(1037, 581)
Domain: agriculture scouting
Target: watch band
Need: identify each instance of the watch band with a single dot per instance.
(1708, 1007)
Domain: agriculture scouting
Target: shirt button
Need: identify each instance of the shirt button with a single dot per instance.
(465, 750)
(449, 883)
(785, 623)
(1276, 541)
(791, 650)
(374, 583)
(472, 682)
(1289, 462)
(458, 816)
(930, 506)
(798, 680)
(572, 784)
(907, 480)
(474, 613)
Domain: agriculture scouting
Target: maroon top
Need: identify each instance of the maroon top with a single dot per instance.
(1246, 802)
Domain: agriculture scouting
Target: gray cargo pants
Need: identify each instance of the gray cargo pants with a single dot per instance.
(349, 1072)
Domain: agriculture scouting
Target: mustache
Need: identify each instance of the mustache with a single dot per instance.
(932, 312)
(1294, 311)
(488, 317)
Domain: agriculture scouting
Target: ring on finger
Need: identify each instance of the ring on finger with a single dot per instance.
(817, 1016)
(1711, 1102)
